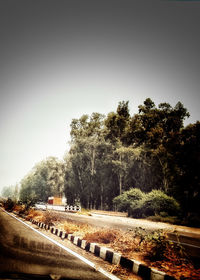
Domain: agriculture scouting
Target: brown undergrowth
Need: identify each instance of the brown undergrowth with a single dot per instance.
(35, 214)
(153, 249)
(18, 208)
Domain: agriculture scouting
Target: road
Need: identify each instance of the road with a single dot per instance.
(25, 254)
(188, 237)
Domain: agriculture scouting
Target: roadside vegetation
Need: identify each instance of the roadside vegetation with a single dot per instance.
(151, 248)
(155, 205)
(146, 164)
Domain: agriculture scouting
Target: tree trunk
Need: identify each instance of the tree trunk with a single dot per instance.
(164, 171)
(120, 184)
(120, 177)
(92, 162)
(101, 197)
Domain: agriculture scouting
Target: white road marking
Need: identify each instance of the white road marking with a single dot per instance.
(91, 264)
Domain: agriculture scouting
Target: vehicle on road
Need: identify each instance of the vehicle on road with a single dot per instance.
(40, 206)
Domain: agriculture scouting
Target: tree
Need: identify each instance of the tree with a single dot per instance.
(89, 163)
(27, 192)
(116, 123)
(124, 156)
(11, 192)
(56, 174)
(187, 159)
(157, 129)
(45, 179)
(7, 191)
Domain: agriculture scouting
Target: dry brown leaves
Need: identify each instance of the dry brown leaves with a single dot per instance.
(182, 271)
(18, 208)
(125, 243)
(36, 214)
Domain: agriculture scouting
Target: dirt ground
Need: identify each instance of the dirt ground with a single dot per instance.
(87, 227)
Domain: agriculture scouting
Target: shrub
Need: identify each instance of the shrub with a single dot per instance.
(21, 209)
(135, 209)
(157, 202)
(142, 205)
(34, 213)
(9, 205)
(102, 236)
(128, 198)
(51, 217)
(158, 245)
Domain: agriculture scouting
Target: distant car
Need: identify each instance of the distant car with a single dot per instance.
(40, 206)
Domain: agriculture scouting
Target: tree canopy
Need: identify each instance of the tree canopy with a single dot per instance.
(109, 155)
(45, 179)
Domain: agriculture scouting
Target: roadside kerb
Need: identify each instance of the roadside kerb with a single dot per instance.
(106, 254)
(68, 250)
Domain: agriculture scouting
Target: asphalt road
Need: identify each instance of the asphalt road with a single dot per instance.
(24, 254)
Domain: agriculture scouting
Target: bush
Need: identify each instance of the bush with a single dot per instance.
(34, 213)
(102, 236)
(9, 205)
(51, 217)
(153, 243)
(135, 209)
(157, 202)
(128, 198)
(142, 205)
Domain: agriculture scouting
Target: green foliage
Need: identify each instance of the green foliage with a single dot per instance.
(108, 155)
(11, 192)
(157, 246)
(116, 123)
(139, 204)
(156, 240)
(157, 202)
(128, 199)
(7, 192)
(148, 151)
(44, 180)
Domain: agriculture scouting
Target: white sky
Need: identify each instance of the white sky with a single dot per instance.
(62, 60)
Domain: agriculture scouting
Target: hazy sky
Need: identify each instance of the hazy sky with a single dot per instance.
(62, 59)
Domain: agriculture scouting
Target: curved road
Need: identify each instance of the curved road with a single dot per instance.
(25, 254)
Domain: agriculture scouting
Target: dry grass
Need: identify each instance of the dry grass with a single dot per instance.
(35, 214)
(75, 228)
(19, 208)
(124, 273)
(51, 218)
(70, 228)
(46, 217)
(129, 244)
(84, 212)
(102, 236)
(120, 241)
